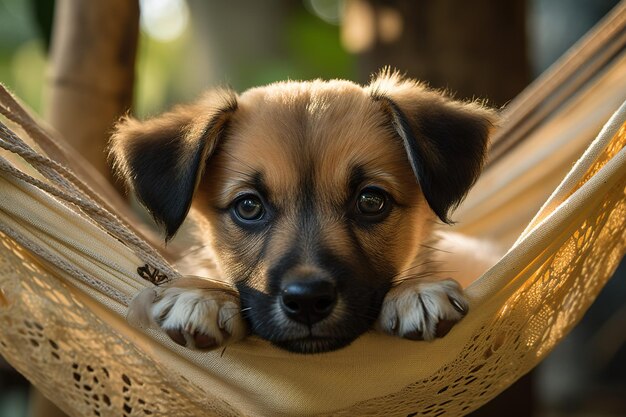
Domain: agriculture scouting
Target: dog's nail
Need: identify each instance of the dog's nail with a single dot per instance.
(444, 327)
(223, 321)
(393, 324)
(414, 335)
(225, 334)
(457, 306)
(204, 341)
(177, 336)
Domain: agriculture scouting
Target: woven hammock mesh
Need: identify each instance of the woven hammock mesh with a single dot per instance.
(68, 269)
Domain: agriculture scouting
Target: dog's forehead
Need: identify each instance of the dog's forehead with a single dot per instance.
(305, 112)
(323, 130)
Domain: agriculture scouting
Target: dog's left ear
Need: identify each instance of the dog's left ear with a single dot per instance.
(446, 140)
(162, 159)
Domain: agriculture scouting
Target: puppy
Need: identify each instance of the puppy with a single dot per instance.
(317, 201)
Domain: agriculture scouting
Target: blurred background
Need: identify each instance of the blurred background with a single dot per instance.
(489, 49)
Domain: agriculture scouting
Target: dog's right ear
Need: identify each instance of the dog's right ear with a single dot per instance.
(162, 159)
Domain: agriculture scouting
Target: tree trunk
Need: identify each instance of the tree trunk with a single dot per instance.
(92, 66)
(475, 49)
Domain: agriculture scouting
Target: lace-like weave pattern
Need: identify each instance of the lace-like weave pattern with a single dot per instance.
(75, 358)
(531, 322)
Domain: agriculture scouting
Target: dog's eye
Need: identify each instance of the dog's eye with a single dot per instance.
(249, 208)
(371, 202)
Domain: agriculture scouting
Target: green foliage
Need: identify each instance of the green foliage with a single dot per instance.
(316, 50)
(312, 50)
(22, 56)
(166, 72)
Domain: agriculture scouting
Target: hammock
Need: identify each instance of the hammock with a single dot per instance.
(70, 264)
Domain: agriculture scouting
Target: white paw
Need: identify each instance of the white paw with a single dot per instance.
(192, 313)
(422, 310)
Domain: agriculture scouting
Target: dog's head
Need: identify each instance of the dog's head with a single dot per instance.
(315, 195)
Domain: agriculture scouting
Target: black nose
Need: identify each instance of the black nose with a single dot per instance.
(308, 301)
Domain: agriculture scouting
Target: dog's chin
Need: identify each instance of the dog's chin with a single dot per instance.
(309, 345)
(338, 331)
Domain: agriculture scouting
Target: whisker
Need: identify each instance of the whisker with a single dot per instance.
(430, 272)
(401, 280)
(240, 161)
(192, 250)
(411, 277)
(232, 316)
(433, 248)
(236, 171)
(417, 266)
(364, 315)
(421, 273)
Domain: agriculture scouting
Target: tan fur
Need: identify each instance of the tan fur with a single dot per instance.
(347, 128)
(303, 141)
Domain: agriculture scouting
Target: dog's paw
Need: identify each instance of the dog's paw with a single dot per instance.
(422, 310)
(194, 316)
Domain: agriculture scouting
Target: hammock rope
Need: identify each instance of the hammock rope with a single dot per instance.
(63, 184)
(597, 154)
(550, 90)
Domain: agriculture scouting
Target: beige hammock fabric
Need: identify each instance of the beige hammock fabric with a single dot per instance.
(68, 336)
(68, 268)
